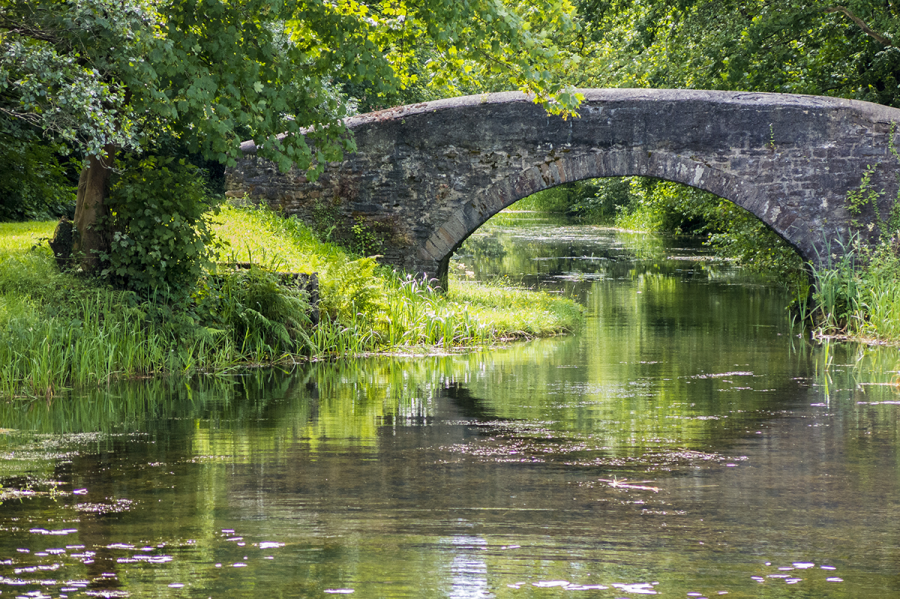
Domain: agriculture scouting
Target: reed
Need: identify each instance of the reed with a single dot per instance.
(857, 295)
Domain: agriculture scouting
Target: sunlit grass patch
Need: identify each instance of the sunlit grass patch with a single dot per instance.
(371, 309)
(269, 239)
(21, 237)
(514, 312)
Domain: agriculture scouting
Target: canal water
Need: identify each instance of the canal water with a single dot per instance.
(688, 442)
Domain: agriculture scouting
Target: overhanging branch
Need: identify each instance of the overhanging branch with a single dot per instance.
(862, 25)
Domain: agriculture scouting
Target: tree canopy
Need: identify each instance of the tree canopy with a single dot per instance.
(106, 76)
(846, 48)
(96, 78)
(98, 72)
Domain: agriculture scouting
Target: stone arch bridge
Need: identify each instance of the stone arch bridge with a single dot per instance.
(426, 176)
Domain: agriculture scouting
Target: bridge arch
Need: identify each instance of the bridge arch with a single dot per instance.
(426, 176)
(577, 168)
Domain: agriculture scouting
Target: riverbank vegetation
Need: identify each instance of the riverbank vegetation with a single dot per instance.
(129, 130)
(846, 50)
(850, 295)
(60, 329)
(857, 295)
(109, 108)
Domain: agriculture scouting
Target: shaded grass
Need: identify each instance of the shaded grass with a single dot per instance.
(59, 330)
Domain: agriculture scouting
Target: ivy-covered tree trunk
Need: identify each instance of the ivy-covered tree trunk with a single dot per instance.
(93, 186)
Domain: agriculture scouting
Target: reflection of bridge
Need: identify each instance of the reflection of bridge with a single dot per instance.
(426, 176)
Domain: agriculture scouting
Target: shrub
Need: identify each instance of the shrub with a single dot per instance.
(160, 238)
(267, 318)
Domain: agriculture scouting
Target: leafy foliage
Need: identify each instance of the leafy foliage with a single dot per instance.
(601, 200)
(734, 232)
(95, 72)
(106, 76)
(863, 197)
(160, 240)
(597, 201)
(847, 49)
(265, 317)
(863, 201)
(33, 183)
(352, 288)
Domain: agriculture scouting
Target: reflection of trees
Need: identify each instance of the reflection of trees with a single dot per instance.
(469, 406)
(360, 465)
(531, 250)
(483, 246)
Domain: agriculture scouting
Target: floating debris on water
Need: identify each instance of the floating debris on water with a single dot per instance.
(624, 484)
(270, 545)
(546, 584)
(121, 505)
(639, 588)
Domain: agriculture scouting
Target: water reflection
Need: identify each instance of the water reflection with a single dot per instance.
(684, 444)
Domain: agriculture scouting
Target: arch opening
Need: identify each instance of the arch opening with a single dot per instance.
(572, 168)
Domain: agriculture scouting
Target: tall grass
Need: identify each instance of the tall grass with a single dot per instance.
(857, 294)
(58, 330)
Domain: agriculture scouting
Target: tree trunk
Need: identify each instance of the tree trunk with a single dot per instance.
(93, 185)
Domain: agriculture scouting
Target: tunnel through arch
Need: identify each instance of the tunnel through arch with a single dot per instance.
(562, 171)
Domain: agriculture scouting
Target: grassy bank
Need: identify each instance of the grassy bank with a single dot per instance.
(59, 330)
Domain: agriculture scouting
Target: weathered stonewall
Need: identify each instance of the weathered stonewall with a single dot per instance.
(426, 176)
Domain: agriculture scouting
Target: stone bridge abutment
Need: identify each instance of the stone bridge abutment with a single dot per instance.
(426, 176)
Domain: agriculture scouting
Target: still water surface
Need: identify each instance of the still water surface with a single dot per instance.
(686, 443)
